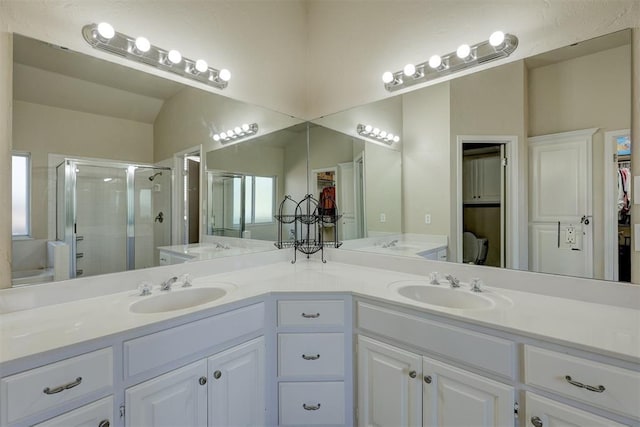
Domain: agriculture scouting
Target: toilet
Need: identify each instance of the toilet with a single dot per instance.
(474, 249)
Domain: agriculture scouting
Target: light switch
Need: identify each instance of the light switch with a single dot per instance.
(383, 217)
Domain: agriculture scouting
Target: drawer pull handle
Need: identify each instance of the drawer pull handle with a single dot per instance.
(413, 374)
(536, 421)
(64, 387)
(311, 357)
(202, 380)
(311, 407)
(310, 315)
(104, 423)
(217, 375)
(598, 389)
(427, 379)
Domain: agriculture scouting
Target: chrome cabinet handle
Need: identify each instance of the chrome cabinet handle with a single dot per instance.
(427, 379)
(104, 423)
(202, 380)
(310, 315)
(598, 389)
(311, 357)
(217, 375)
(63, 387)
(413, 374)
(536, 421)
(311, 407)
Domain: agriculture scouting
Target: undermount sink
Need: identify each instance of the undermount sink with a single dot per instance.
(442, 295)
(177, 300)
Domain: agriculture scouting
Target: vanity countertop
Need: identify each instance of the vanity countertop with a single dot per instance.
(604, 329)
(205, 251)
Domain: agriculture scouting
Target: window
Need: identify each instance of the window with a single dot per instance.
(20, 194)
(259, 199)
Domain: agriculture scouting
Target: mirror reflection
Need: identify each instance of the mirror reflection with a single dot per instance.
(514, 166)
(108, 165)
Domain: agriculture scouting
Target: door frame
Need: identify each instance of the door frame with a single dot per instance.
(178, 229)
(610, 211)
(513, 212)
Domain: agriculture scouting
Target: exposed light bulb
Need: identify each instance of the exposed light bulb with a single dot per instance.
(375, 131)
(463, 51)
(245, 127)
(409, 70)
(142, 44)
(435, 61)
(106, 31)
(396, 138)
(201, 65)
(496, 38)
(368, 128)
(387, 77)
(237, 130)
(223, 135)
(174, 56)
(108, 179)
(390, 137)
(383, 134)
(216, 137)
(224, 75)
(231, 134)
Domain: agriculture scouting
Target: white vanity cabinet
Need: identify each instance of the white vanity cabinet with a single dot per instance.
(481, 179)
(543, 412)
(313, 341)
(223, 390)
(399, 387)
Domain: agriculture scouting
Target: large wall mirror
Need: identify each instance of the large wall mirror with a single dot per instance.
(111, 163)
(525, 165)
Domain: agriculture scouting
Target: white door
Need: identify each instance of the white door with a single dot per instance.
(177, 398)
(544, 412)
(237, 386)
(389, 390)
(454, 397)
(560, 195)
(347, 201)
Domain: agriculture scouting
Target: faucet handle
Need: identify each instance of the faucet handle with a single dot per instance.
(433, 278)
(186, 280)
(144, 288)
(453, 281)
(476, 285)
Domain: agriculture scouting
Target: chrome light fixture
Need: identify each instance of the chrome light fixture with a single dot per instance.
(236, 133)
(499, 45)
(369, 131)
(102, 36)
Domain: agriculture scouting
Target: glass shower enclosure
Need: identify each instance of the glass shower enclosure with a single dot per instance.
(112, 215)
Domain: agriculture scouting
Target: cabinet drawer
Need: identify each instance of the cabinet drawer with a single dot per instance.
(549, 370)
(33, 391)
(93, 414)
(551, 413)
(310, 313)
(473, 348)
(311, 354)
(311, 403)
(153, 351)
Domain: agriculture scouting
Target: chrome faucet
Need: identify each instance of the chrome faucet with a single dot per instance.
(221, 246)
(455, 283)
(166, 285)
(390, 244)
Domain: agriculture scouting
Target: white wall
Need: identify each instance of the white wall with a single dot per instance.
(6, 107)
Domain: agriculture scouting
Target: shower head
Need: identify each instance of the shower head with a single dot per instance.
(152, 177)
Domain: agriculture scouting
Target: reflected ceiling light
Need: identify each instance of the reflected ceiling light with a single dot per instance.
(102, 36)
(499, 45)
(369, 131)
(236, 133)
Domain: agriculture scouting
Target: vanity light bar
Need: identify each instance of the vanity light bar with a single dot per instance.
(102, 36)
(236, 133)
(375, 133)
(499, 45)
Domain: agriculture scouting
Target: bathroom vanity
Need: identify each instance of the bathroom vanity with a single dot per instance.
(340, 343)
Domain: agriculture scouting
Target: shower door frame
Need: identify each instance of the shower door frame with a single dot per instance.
(70, 193)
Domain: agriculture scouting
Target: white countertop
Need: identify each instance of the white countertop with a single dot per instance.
(205, 251)
(604, 329)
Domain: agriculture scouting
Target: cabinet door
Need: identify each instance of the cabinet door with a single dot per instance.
(454, 397)
(468, 180)
(177, 398)
(489, 174)
(237, 386)
(543, 412)
(389, 391)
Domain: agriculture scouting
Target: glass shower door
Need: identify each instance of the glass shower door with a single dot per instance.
(151, 214)
(226, 205)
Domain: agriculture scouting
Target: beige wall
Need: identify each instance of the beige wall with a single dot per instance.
(491, 102)
(426, 160)
(383, 189)
(635, 141)
(43, 130)
(592, 91)
(6, 101)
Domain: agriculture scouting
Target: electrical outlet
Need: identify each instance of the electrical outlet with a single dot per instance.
(383, 217)
(427, 218)
(570, 235)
